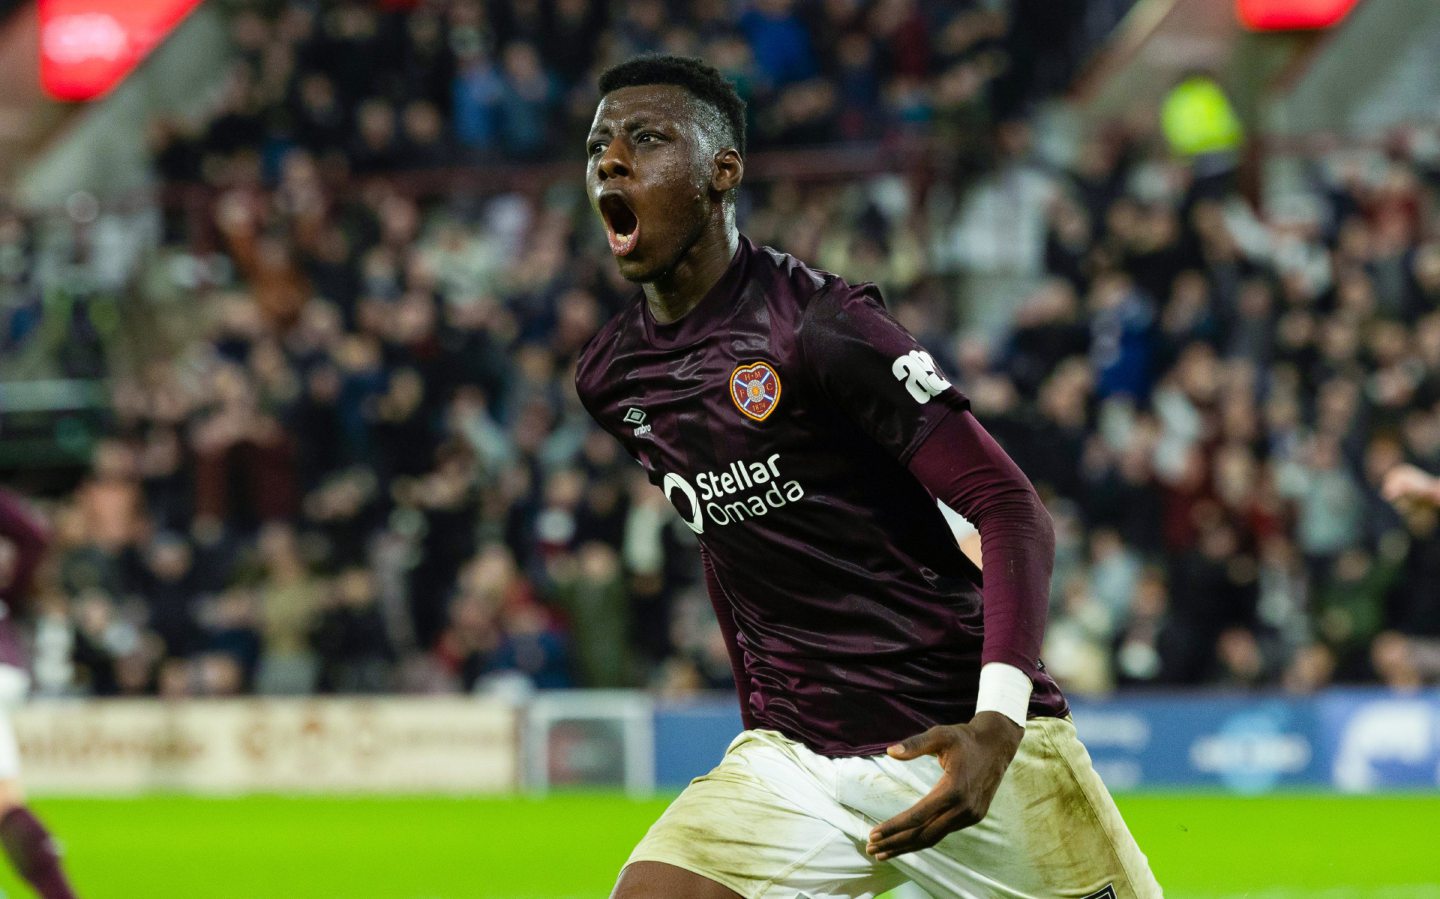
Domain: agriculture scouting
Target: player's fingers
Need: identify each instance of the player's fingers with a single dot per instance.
(920, 837)
(896, 844)
(930, 805)
(924, 836)
(931, 741)
(953, 819)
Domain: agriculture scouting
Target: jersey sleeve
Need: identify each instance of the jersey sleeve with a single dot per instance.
(962, 466)
(868, 366)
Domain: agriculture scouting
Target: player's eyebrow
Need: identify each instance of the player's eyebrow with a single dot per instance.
(597, 131)
(631, 125)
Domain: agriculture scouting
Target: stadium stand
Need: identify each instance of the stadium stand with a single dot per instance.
(348, 458)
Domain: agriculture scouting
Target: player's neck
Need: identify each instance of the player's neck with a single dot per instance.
(672, 296)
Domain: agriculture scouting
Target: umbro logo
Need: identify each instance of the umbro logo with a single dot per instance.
(634, 416)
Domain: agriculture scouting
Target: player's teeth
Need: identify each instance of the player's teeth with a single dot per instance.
(621, 244)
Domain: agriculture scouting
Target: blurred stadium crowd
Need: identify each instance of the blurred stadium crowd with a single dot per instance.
(361, 465)
(465, 81)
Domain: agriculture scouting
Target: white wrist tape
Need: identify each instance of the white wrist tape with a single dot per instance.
(1004, 689)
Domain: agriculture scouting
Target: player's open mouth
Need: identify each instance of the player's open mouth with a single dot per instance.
(621, 224)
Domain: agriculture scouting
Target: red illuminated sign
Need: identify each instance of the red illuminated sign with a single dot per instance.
(89, 46)
(1290, 15)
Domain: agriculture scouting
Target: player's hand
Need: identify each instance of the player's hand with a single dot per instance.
(974, 757)
(1406, 485)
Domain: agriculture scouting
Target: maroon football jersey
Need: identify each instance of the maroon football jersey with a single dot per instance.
(777, 416)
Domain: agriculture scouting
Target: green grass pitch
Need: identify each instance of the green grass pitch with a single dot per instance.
(1201, 846)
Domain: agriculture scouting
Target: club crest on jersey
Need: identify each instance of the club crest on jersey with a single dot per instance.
(755, 388)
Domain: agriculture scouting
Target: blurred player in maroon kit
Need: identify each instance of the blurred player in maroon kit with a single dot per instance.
(899, 723)
(23, 539)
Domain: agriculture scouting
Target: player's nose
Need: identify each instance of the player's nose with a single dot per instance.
(615, 163)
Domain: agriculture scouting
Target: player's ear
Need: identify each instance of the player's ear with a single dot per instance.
(729, 171)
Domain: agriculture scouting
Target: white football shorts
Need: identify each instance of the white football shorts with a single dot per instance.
(775, 820)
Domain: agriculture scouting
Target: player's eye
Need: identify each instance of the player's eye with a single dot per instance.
(596, 148)
(646, 137)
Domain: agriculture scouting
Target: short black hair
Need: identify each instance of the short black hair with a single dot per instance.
(703, 82)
